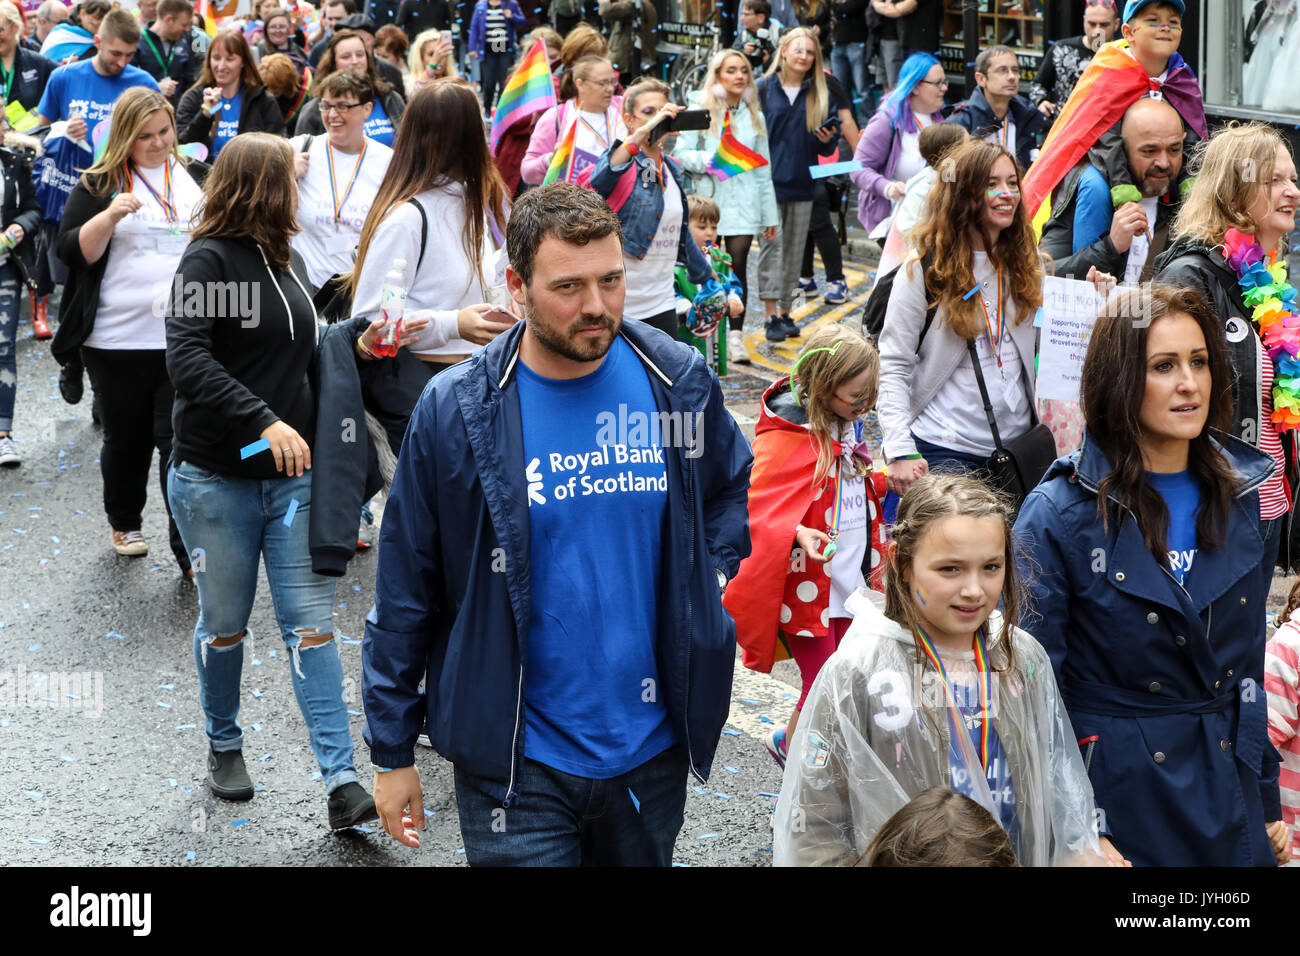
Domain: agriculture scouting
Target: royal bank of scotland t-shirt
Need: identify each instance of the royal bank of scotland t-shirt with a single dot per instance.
(965, 677)
(78, 88)
(597, 488)
(227, 120)
(1182, 496)
(379, 126)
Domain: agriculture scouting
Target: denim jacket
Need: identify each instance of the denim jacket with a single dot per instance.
(633, 193)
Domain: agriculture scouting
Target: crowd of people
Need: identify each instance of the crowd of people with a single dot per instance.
(490, 272)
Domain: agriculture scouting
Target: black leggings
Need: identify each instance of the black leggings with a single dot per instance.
(738, 249)
(822, 230)
(494, 70)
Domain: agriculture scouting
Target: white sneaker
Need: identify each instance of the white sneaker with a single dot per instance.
(736, 351)
(9, 452)
(130, 543)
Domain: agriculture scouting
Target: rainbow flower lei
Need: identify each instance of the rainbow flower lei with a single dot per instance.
(1265, 290)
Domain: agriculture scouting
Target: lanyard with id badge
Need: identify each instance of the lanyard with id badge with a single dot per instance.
(342, 238)
(170, 240)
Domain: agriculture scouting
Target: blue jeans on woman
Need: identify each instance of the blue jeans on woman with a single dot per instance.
(228, 524)
(849, 64)
(10, 299)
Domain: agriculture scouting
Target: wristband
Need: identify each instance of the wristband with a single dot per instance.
(631, 148)
(364, 352)
(379, 769)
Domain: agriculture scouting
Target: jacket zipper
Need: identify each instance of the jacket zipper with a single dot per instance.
(514, 739)
(690, 611)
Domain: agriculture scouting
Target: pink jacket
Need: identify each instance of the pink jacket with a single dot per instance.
(546, 135)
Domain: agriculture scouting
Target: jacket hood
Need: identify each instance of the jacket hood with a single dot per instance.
(1189, 246)
(1091, 465)
(779, 410)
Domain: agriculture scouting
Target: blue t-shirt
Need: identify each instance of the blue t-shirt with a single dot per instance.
(597, 497)
(78, 88)
(379, 126)
(997, 773)
(227, 120)
(1182, 494)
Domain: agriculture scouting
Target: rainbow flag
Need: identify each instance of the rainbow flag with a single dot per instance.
(66, 42)
(561, 168)
(1111, 84)
(529, 90)
(733, 157)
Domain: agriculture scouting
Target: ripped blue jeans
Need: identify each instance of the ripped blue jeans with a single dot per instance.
(10, 299)
(228, 524)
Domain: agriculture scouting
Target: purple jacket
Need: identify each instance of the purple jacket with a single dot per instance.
(877, 151)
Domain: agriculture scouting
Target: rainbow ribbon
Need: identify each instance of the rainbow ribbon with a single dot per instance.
(166, 200)
(985, 685)
(334, 195)
(995, 342)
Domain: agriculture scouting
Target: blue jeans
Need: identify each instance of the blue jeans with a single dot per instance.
(10, 299)
(558, 819)
(233, 522)
(948, 459)
(849, 64)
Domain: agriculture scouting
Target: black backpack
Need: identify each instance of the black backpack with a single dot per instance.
(873, 313)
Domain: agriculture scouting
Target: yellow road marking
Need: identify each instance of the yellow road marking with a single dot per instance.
(788, 350)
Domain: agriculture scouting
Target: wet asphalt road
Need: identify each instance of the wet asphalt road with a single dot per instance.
(125, 785)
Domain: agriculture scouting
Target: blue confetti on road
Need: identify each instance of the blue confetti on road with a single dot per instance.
(173, 782)
(707, 836)
(257, 727)
(264, 758)
(723, 796)
(248, 451)
(239, 823)
(187, 726)
(764, 793)
(731, 769)
(746, 700)
(164, 705)
(33, 649)
(116, 636)
(731, 732)
(256, 694)
(189, 856)
(166, 687)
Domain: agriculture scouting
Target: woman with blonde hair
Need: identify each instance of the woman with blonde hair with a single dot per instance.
(126, 224)
(1227, 242)
(429, 58)
(982, 272)
(242, 383)
(747, 199)
(797, 109)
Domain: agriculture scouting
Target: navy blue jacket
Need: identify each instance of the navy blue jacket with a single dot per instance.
(977, 117)
(31, 73)
(1164, 684)
(453, 599)
(793, 148)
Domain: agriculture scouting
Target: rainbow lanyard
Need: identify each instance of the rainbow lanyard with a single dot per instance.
(334, 195)
(985, 684)
(995, 332)
(166, 200)
(659, 170)
(602, 138)
(1005, 119)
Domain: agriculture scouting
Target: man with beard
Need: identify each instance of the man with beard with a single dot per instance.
(568, 505)
(1121, 232)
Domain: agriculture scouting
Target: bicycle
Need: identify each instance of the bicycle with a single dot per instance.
(686, 76)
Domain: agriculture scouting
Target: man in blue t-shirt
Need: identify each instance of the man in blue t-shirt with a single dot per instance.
(568, 506)
(83, 93)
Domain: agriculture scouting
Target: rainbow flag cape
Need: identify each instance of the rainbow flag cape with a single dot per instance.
(529, 90)
(733, 157)
(561, 168)
(1111, 84)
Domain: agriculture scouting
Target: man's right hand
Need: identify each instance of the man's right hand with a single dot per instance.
(76, 128)
(400, 804)
(1129, 220)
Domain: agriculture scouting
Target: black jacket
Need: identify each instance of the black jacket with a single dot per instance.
(31, 73)
(182, 64)
(977, 116)
(850, 20)
(1192, 263)
(20, 206)
(416, 16)
(239, 367)
(258, 113)
(81, 290)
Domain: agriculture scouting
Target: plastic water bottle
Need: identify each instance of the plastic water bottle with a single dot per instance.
(392, 305)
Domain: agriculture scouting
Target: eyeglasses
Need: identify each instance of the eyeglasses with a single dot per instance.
(940, 84)
(1003, 71)
(857, 406)
(340, 108)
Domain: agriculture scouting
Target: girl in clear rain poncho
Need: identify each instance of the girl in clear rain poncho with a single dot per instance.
(878, 726)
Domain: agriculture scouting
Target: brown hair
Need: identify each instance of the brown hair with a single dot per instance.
(938, 140)
(1292, 602)
(933, 497)
(251, 193)
(279, 75)
(940, 827)
(230, 41)
(439, 142)
(640, 88)
(833, 355)
(132, 110)
(167, 8)
(392, 39)
(1230, 169)
(1111, 391)
(955, 208)
(567, 212)
(119, 24)
(583, 40)
(347, 83)
(327, 66)
(703, 208)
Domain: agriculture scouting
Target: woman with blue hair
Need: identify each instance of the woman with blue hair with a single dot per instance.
(888, 149)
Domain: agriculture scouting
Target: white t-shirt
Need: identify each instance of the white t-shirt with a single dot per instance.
(955, 417)
(328, 249)
(142, 260)
(1141, 246)
(650, 279)
(851, 545)
(792, 93)
(909, 158)
(594, 134)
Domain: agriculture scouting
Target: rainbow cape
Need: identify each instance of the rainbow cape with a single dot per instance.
(733, 157)
(1111, 84)
(529, 90)
(561, 168)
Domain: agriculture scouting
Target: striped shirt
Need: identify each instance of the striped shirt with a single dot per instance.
(1281, 682)
(1274, 496)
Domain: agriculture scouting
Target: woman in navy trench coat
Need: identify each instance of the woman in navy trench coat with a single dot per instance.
(1161, 662)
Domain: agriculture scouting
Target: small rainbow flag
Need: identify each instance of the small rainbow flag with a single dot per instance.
(561, 167)
(733, 157)
(529, 90)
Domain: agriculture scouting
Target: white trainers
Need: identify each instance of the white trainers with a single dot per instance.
(736, 351)
(130, 543)
(9, 452)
